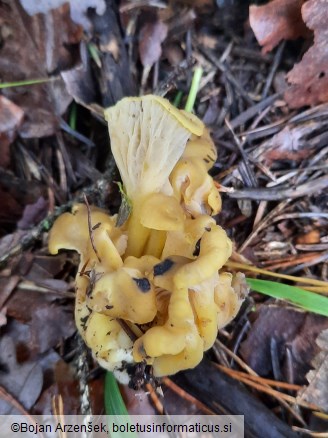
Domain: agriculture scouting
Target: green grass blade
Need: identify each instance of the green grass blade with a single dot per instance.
(95, 54)
(177, 99)
(24, 83)
(115, 406)
(73, 116)
(194, 89)
(309, 301)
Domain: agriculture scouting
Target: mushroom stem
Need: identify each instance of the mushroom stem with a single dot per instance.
(155, 243)
(137, 233)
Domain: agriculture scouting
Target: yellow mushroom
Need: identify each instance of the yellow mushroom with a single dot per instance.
(110, 344)
(71, 231)
(201, 148)
(145, 131)
(158, 276)
(125, 293)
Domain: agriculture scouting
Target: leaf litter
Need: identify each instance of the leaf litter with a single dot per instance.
(286, 20)
(34, 48)
(276, 21)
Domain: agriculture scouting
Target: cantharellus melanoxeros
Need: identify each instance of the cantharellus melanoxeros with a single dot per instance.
(159, 272)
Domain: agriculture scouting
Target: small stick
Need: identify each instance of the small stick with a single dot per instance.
(90, 228)
(183, 394)
(154, 398)
(274, 393)
(4, 395)
(262, 380)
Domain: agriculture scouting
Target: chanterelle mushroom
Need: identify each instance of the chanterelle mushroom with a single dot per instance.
(157, 276)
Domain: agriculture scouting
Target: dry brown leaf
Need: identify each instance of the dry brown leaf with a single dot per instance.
(282, 324)
(15, 193)
(309, 78)
(295, 142)
(151, 37)
(317, 390)
(3, 317)
(288, 328)
(309, 238)
(33, 48)
(276, 21)
(33, 214)
(78, 9)
(22, 381)
(11, 117)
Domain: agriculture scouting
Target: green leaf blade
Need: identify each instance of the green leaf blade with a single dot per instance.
(115, 407)
(309, 301)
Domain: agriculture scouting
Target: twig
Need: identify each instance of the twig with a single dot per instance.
(275, 65)
(4, 394)
(310, 432)
(270, 391)
(248, 114)
(251, 268)
(262, 380)
(90, 228)
(34, 234)
(251, 179)
(278, 194)
(253, 374)
(291, 260)
(226, 70)
(279, 208)
(58, 411)
(315, 261)
(183, 394)
(154, 398)
(169, 82)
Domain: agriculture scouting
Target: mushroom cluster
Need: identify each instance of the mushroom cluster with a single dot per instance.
(149, 290)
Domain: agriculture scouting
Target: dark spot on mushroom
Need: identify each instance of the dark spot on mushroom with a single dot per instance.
(163, 267)
(210, 158)
(208, 229)
(84, 321)
(142, 283)
(197, 248)
(96, 226)
(108, 307)
(206, 160)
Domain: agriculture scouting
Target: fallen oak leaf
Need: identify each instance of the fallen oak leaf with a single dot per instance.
(276, 21)
(309, 78)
